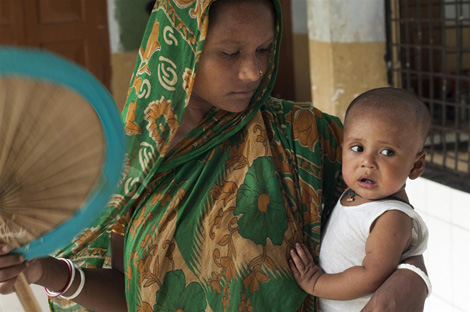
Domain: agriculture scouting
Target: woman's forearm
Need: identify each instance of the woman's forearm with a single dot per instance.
(103, 289)
(403, 291)
(353, 283)
(417, 261)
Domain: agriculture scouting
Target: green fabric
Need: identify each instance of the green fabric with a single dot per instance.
(211, 222)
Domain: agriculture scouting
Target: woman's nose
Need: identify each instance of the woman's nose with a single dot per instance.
(249, 69)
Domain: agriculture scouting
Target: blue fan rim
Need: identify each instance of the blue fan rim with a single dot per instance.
(46, 66)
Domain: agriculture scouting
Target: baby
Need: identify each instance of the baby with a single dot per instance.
(372, 227)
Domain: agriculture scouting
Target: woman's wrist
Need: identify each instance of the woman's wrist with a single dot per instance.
(75, 290)
(419, 272)
(54, 273)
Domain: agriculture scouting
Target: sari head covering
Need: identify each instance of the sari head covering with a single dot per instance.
(208, 225)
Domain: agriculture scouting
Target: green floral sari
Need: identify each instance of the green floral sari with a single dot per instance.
(209, 223)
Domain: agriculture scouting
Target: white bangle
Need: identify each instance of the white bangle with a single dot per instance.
(418, 271)
(80, 287)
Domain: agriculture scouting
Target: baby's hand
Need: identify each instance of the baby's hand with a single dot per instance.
(304, 270)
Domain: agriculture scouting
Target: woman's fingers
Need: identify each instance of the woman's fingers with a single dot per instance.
(12, 271)
(8, 277)
(7, 287)
(11, 265)
(4, 249)
(10, 260)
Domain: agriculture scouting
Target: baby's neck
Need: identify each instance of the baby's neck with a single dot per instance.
(351, 198)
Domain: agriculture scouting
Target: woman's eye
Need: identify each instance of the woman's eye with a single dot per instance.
(357, 148)
(230, 54)
(264, 50)
(387, 152)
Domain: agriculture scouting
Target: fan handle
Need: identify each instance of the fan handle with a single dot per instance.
(26, 296)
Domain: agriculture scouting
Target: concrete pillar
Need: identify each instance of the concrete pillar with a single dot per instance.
(346, 51)
(300, 50)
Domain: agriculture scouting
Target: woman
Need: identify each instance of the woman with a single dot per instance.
(221, 179)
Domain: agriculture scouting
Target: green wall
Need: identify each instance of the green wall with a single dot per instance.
(131, 16)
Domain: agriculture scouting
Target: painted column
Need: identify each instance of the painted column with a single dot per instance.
(126, 22)
(346, 51)
(300, 49)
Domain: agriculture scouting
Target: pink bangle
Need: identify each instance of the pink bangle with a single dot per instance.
(69, 280)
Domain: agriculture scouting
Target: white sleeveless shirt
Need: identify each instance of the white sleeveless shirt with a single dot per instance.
(343, 244)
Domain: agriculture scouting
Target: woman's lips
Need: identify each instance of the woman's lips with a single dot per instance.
(244, 94)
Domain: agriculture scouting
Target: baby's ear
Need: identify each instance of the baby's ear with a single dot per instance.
(418, 166)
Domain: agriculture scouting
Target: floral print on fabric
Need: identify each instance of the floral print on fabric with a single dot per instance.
(175, 296)
(161, 120)
(261, 204)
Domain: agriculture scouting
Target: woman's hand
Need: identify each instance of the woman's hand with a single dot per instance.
(11, 265)
(403, 291)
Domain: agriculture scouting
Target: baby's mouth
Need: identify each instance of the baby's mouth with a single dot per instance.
(365, 180)
(367, 183)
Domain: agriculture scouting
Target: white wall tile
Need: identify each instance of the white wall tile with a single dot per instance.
(438, 257)
(436, 304)
(460, 205)
(460, 268)
(416, 190)
(438, 201)
(447, 214)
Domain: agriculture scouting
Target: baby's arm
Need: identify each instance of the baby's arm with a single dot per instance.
(389, 238)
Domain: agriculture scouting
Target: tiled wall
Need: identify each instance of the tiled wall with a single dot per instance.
(446, 212)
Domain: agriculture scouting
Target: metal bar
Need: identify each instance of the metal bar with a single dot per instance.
(389, 49)
(443, 82)
(428, 50)
(456, 87)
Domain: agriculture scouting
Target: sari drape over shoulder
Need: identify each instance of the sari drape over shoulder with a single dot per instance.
(208, 225)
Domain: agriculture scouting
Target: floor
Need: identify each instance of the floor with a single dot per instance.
(11, 303)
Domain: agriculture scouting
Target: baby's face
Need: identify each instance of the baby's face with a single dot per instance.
(379, 153)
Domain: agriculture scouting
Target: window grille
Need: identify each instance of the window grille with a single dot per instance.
(428, 52)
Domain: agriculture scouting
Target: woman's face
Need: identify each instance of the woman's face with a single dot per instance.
(237, 48)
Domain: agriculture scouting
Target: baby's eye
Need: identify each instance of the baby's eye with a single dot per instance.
(387, 152)
(357, 148)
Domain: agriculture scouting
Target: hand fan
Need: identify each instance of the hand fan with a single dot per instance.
(61, 150)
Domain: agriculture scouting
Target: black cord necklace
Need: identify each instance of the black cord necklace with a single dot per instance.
(351, 195)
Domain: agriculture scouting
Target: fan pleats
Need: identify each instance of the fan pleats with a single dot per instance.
(51, 155)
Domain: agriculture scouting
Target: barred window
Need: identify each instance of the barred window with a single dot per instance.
(428, 52)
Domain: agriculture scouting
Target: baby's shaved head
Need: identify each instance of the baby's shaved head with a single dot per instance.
(394, 104)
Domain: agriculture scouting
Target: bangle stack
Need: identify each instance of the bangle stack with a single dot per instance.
(418, 271)
(80, 287)
(72, 267)
(70, 279)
